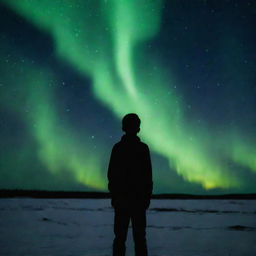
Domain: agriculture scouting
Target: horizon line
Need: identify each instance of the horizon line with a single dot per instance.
(37, 193)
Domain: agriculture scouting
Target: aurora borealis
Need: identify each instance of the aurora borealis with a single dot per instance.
(71, 69)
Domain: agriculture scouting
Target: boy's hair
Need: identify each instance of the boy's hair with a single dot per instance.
(131, 123)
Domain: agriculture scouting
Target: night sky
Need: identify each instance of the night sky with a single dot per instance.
(69, 71)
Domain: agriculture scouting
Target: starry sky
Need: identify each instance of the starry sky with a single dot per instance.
(70, 70)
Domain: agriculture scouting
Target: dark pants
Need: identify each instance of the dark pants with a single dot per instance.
(122, 219)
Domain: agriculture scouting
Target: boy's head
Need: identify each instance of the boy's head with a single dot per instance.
(131, 123)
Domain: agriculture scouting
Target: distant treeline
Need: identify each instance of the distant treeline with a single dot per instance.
(6, 193)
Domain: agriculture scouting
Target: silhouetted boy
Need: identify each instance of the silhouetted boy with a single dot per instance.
(130, 185)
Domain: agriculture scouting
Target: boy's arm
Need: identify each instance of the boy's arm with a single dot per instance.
(111, 171)
(149, 173)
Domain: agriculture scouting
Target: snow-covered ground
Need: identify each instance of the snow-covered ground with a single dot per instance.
(84, 227)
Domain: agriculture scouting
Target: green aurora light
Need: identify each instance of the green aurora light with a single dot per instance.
(105, 41)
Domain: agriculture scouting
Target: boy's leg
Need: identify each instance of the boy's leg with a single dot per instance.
(121, 223)
(139, 231)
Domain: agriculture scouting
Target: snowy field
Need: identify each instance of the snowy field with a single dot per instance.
(83, 227)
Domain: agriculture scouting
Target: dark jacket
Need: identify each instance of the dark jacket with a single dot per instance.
(130, 173)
